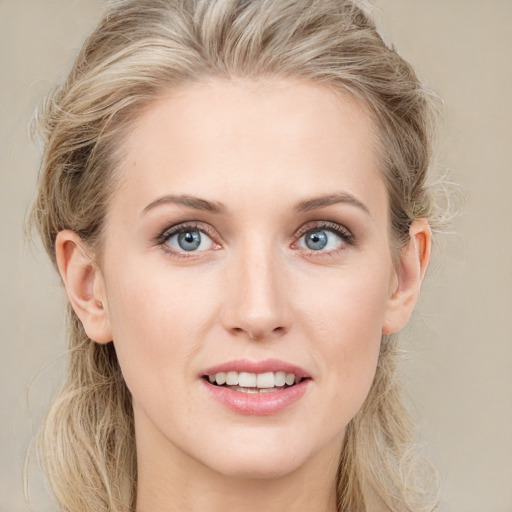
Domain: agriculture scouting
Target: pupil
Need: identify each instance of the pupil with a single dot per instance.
(316, 240)
(189, 240)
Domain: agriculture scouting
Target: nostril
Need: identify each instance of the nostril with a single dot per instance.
(261, 334)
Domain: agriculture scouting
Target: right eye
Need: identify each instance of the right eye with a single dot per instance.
(187, 239)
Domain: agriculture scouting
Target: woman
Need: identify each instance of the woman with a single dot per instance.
(234, 193)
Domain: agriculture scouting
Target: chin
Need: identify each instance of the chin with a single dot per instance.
(260, 458)
(259, 468)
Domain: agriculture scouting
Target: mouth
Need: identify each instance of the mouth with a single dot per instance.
(246, 382)
(256, 388)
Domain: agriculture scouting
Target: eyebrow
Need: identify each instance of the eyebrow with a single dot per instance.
(328, 200)
(189, 201)
(218, 208)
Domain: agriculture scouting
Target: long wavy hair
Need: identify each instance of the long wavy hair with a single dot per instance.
(139, 50)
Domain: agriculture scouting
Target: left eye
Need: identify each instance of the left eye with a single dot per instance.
(320, 240)
(189, 240)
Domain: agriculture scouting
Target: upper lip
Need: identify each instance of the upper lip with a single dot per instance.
(246, 365)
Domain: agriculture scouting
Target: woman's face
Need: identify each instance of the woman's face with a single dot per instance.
(248, 235)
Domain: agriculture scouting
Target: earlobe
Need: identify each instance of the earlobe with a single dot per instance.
(411, 270)
(84, 285)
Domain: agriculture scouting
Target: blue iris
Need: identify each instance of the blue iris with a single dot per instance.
(189, 240)
(316, 240)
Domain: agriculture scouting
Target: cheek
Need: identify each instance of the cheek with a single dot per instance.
(349, 305)
(157, 320)
(346, 323)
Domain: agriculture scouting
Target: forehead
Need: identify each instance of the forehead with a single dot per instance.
(220, 137)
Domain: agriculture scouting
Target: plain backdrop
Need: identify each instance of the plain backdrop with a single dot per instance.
(459, 367)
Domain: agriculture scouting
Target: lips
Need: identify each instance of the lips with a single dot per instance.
(256, 388)
(268, 365)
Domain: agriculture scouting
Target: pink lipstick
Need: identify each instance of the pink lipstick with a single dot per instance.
(256, 388)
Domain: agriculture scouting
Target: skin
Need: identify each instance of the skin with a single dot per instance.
(253, 290)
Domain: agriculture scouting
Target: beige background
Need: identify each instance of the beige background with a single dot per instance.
(460, 364)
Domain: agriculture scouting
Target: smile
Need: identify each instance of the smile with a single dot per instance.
(246, 382)
(256, 388)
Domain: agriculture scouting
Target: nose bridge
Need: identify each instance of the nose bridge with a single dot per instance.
(256, 304)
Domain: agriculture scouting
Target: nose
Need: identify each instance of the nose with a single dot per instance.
(256, 305)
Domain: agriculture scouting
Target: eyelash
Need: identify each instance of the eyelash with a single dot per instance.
(346, 236)
(164, 237)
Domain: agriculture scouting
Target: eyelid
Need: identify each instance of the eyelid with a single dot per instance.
(183, 226)
(339, 229)
(164, 236)
(344, 233)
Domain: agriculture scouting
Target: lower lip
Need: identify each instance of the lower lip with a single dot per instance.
(257, 404)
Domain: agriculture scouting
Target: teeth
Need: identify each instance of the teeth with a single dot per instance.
(265, 380)
(247, 380)
(232, 378)
(279, 379)
(290, 379)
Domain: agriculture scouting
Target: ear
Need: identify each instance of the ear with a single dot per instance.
(84, 285)
(414, 259)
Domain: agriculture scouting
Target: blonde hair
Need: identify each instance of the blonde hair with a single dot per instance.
(140, 49)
